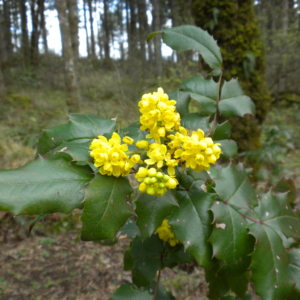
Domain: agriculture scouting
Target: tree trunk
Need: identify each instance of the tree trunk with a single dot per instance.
(93, 49)
(73, 95)
(131, 29)
(86, 30)
(106, 30)
(34, 43)
(73, 22)
(7, 47)
(237, 34)
(43, 24)
(24, 31)
(156, 26)
(143, 28)
(2, 55)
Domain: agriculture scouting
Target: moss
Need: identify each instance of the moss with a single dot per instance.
(237, 33)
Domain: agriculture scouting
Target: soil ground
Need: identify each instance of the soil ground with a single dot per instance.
(59, 267)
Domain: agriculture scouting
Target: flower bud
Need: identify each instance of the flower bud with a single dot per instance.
(142, 144)
(143, 187)
(128, 140)
(150, 190)
(152, 172)
(159, 175)
(153, 179)
(147, 180)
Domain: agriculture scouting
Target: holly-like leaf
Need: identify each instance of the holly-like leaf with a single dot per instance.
(230, 239)
(151, 210)
(183, 101)
(162, 294)
(233, 100)
(147, 259)
(127, 292)
(194, 121)
(188, 37)
(269, 264)
(233, 186)
(229, 148)
(77, 150)
(287, 184)
(129, 229)
(294, 267)
(105, 207)
(43, 187)
(275, 211)
(222, 131)
(81, 126)
(191, 222)
(176, 255)
(204, 91)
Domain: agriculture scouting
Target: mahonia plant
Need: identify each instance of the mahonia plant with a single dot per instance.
(160, 182)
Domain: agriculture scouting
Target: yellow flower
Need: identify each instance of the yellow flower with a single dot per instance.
(111, 157)
(165, 233)
(142, 144)
(128, 140)
(156, 154)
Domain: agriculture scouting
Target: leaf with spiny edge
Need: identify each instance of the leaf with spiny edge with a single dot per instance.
(147, 259)
(275, 211)
(204, 91)
(183, 100)
(105, 208)
(234, 187)
(270, 263)
(294, 268)
(81, 126)
(195, 121)
(188, 37)
(193, 214)
(230, 239)
(233, 100)
(43, 187)
(152, 210)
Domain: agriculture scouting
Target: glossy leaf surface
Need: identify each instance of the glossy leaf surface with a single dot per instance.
(42, 187)
(105, 207)
(127, 292)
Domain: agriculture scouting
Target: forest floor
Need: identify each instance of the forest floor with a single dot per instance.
(43, 267)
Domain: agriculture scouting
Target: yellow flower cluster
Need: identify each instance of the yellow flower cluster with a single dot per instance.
(111, 156)
(154, 182)
(159, 114)
(165, 233)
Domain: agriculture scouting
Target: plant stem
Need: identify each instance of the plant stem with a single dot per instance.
(159, 273)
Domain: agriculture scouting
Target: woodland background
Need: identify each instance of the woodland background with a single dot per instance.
(260, 42)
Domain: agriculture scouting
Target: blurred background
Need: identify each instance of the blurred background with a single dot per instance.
(91, 56)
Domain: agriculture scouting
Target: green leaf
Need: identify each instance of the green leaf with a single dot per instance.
(233, 100)
(127, 292)
(134, 132)
(195, 121)
(183, 101)
(128, 260)
(222, 131)
(77, 150)
(151, 210)
(230, 239)
(286, 184)
(162, 294)
(188, 37)
(275, 211)
(193, 214)
(129, 229)
(239, 284)
(81, 126)
(176, 255)
(147, 256)
(229, 148)
(105, 207)
(233, 186)
(37, 219)
(204, 91)
(294, 267)
(269, 264)
(43, 187)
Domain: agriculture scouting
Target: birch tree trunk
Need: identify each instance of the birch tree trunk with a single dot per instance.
(73, 94)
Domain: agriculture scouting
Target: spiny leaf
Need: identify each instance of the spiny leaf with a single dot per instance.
(81, 126)
(269, 264)
(42, 187)
(229, 148)
(147, 259)
(233, 100)
(222, 131)
(233, 186)
(294, 267)
(77, 150)
(188, 37)
(183, 101)
(105, 207)
(230, 239)
(191, 222)
(194, 121)
(151, 210)
(204, 91)
(275, 211)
